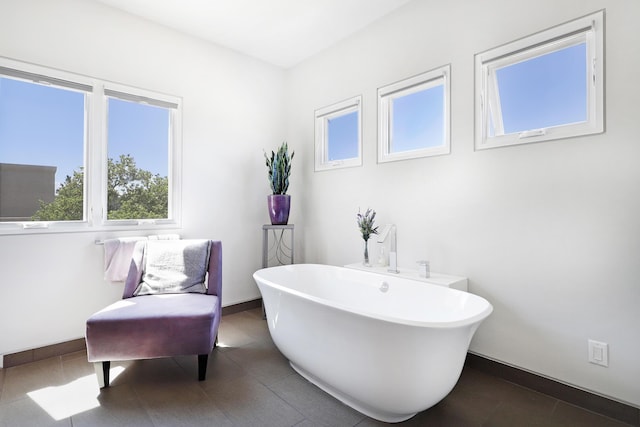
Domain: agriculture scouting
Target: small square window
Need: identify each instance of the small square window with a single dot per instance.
(338, 135)
(543, 87)
(413, 117)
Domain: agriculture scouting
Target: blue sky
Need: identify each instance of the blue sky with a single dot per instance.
(418, 120)
(142, 131)
(43, 125)
(544, 91)
(343, 134)
(40, 125)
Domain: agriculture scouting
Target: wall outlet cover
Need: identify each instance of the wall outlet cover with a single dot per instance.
(598, 353)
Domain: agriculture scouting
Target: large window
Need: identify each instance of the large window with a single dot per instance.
(413, 117)
(43, 131)
(77, 152)
(543, 87)
(138, 143)
(338, 135)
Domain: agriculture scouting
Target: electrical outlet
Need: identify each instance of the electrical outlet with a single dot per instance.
(598, 353)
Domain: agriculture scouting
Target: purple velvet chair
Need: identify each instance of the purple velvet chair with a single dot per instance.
(157, 318)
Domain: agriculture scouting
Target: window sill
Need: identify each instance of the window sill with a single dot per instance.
(16, 229)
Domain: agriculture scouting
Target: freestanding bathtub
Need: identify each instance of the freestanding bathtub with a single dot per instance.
(386, 346)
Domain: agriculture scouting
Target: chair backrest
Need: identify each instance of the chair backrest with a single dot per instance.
(214, 269)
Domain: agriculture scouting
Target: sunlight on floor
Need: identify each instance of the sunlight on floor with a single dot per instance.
(222, 345)
(73, 398)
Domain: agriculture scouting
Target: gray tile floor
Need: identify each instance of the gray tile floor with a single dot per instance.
(249, 383)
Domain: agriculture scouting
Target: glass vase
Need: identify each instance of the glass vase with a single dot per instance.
(365, 261)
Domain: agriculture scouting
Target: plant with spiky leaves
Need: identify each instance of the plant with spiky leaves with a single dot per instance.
(366, 222)
(279, 165)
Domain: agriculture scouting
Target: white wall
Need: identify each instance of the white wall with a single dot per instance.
(233, 108)
(549, 233)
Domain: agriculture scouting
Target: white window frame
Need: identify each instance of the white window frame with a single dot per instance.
(95, 155)
(322, 117)
(589, 29)
(174, 104)
(386, 94)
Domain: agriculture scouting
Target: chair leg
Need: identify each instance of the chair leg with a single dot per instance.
(102, 372)
(202, 366)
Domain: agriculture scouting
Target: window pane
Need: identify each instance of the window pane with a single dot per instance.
(138, 160)
(338, 137)
(42, 131)
(549, 90)
(343, 137)
(417, 120)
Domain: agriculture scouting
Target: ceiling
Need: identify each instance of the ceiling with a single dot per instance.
(281, 32)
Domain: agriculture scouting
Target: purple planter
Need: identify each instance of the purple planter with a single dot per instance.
(279, 205)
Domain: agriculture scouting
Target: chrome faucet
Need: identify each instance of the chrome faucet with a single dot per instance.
(393, 246)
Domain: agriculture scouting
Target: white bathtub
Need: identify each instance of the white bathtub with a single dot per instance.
(386, 346)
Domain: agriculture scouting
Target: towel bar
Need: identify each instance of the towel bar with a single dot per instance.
(153, 236)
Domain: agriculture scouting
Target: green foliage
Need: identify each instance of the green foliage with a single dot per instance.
(67, 206)
(365, 223)
(279, 166)
(132, 193)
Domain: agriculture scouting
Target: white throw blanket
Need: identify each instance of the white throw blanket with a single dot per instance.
(118, 252)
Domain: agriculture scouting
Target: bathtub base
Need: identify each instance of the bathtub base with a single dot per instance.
(384, 416)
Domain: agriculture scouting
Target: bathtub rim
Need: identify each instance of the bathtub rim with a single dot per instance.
(476, 318)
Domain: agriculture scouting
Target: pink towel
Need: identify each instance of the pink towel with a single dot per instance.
(117, 257)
